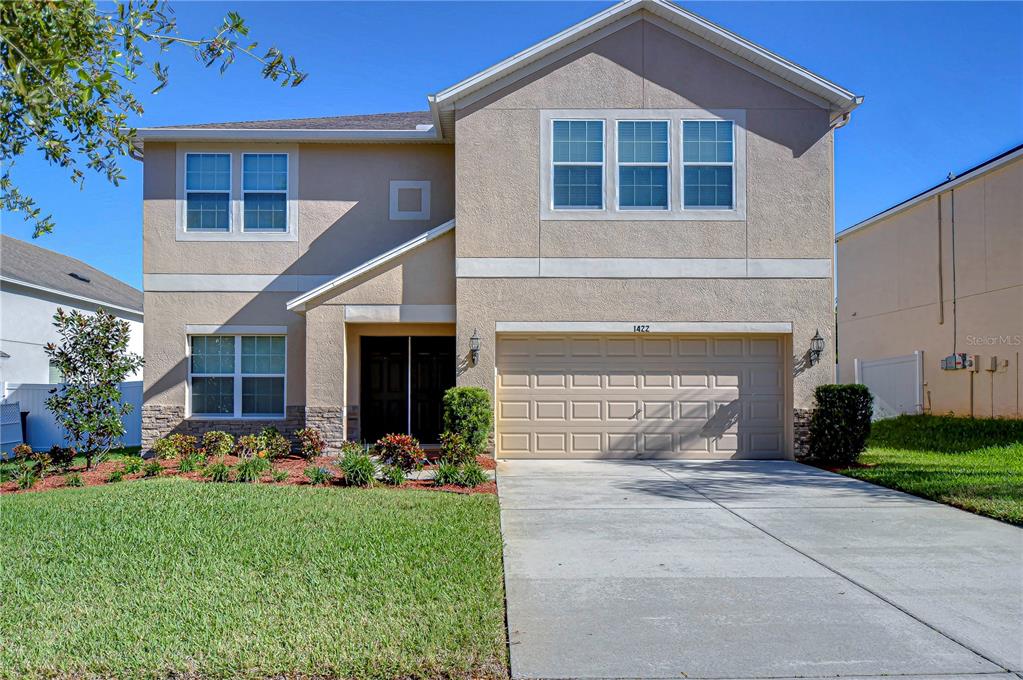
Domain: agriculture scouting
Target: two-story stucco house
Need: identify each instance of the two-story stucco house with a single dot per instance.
(631, 222)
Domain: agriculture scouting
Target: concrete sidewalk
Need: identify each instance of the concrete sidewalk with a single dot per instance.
(733, 569)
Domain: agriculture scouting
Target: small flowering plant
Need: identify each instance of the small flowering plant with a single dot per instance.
(401, 450)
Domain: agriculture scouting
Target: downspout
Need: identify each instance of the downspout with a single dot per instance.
(941, 283)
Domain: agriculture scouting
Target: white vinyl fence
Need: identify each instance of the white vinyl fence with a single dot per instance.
(42, 430)
(895, 382)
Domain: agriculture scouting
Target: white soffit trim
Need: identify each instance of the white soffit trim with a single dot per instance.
(841, 100)
(399, 314)
(298, 304)
(233, 329)
(774, 327)
(70, 296)
(940, 189)
(642, 268)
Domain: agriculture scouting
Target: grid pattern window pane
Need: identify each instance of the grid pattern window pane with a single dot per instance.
(266, 212)
(707, 141)
(212, 354)
(643, 141)
(208, 172)
(578, 141)
(578, 186)
(262, 396)
(207, 211)
(265, 172)
(213, 396)
(708, 186)
(641, 186)
(263, 354)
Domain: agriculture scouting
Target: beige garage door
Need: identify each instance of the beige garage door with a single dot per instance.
(625, 396)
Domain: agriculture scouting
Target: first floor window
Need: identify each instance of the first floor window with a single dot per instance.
(265, 190)
(708, 164)
(237, 375)
(207, 191)
(578, 164)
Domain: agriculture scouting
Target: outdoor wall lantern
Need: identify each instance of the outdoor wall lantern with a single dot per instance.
(474, 346)
(816, 347)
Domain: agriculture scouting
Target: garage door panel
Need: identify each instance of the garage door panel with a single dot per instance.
(659, 396)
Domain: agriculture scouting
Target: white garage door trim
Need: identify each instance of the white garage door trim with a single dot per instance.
(643, 395)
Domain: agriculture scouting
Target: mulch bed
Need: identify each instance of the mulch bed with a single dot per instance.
(292, 465)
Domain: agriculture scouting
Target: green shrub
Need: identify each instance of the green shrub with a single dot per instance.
(278, 476)
(945, 434)
(22, 451)
(132, 465)
(840, 423)
(152, 469)
(310, 442)
(446, 473)
(73, 479)
(184, 444)
(250, 469)
(393, 475)
(164, 449)
(453, 449)
(217, 472)
(115, 476)
(318, 475)
(354, 447)
(472, 475)
(358, 468)
(27, 476)
(275, 444)
(62, 456)
(467, 412)
(9, 471)
(42, 461)
(401, 450)
(216, 443)
(248, 446)
(189, 463)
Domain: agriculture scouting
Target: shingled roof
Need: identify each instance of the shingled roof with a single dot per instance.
(407, 120)
(38, 267)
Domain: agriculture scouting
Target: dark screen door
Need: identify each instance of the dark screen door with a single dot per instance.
(433, 372)
(384, 407)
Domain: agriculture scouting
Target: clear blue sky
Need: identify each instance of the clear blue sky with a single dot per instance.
(943, 83)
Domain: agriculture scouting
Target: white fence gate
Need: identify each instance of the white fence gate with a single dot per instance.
(896, 383)
(42, 431)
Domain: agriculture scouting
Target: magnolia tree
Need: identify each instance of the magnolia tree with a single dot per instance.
(93, 358)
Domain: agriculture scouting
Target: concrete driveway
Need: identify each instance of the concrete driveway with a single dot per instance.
(732, 569)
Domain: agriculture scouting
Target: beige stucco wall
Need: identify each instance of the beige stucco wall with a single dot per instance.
(888, 292)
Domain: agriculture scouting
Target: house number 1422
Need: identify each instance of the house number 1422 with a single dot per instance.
(641, 329)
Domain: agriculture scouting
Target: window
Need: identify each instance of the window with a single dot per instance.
(56, 376)
(578, 164)
(208, 191)
(237, 375)
(643, 164)
(265, 191)
(708, 164)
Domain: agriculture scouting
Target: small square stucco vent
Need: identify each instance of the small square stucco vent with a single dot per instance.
(410, 200)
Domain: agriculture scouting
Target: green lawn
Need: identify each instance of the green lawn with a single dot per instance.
(973, 464)
(159, 577)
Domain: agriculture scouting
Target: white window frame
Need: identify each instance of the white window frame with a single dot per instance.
(602, 165)
(611, 210)
(230, 182)
(622, 164)
(395, 213)
(236, 216)
(717, 164)
(237, 376)
(286, 192)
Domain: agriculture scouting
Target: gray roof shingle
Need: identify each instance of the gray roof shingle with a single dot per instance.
(407, 120)
(37, 266)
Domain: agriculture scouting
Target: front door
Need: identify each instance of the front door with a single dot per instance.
(403, 383)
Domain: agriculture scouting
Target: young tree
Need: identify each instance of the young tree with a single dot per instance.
(93, 358)
(66, 71)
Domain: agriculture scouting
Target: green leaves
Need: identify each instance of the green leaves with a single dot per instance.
(66, 75)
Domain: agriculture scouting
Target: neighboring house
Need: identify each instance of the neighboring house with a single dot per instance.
(938, 274)
(34, 283)
(632, 221)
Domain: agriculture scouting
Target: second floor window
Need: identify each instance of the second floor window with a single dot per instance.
(643, 164)
(265, 191)
(708, 164)
(208, 191)
(578, 164)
